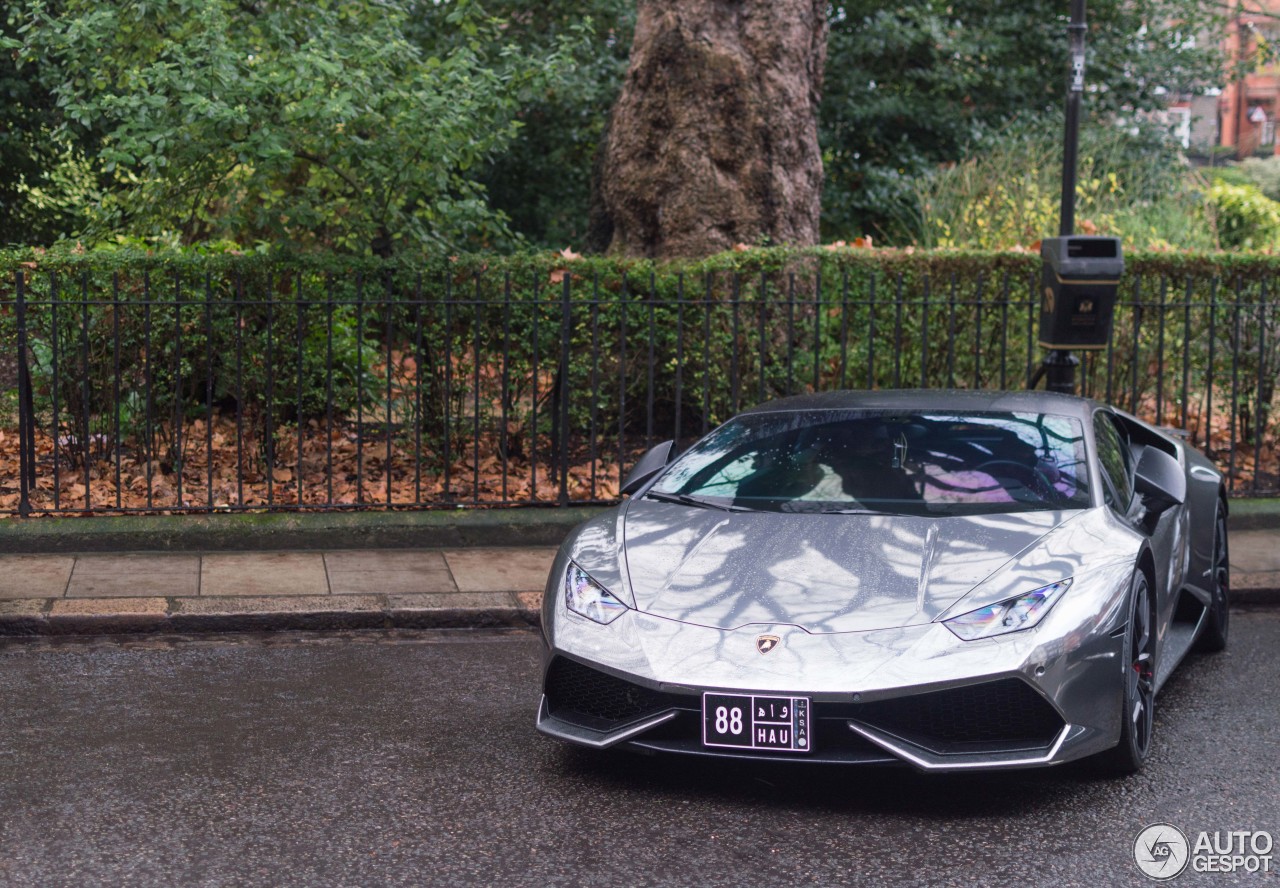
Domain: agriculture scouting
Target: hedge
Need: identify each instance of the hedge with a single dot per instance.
(455, 351)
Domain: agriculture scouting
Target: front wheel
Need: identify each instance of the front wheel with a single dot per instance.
(1139, 692)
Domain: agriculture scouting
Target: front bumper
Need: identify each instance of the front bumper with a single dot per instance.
(1000, 723)
(915, 695)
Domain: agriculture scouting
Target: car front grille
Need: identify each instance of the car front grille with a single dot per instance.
(593, 699)
(998, 716)
(992, 716)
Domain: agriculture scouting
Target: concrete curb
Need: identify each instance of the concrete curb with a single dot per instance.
(457, 528)
(175, 622)
(1253, 514)
(1251, 598)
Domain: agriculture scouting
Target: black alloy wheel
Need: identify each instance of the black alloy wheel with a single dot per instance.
(1213, 637)
(1139, 693)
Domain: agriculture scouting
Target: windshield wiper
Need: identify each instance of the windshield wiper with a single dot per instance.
(685, 499)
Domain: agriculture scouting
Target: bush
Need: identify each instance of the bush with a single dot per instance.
(1131, 183)
(452, 360)
(117, 356)
(332, 131)
(1264, 173)
(1245, 217)
(1231, 175)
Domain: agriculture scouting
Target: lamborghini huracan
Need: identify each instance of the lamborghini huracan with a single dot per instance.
(946, 579)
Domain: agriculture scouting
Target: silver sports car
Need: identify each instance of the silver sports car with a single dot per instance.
(952, 580)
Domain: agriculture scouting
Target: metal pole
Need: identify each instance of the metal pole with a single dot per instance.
(1071, 132)
(1059, 365)
(562, 414)
(1060, 371)
(26, 415)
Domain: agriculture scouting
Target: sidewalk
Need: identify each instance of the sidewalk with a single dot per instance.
(349, 589)
(226, 591)
(1255, 566)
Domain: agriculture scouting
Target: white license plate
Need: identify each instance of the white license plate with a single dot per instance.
(738, 721)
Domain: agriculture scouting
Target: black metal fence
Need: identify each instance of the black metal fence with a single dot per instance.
(281, 390)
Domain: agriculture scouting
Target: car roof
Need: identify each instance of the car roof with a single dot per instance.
(950, 400)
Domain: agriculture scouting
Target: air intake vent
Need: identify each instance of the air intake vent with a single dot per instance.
(592, 699)
(1005, 714)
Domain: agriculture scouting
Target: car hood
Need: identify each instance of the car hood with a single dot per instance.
(822, 573)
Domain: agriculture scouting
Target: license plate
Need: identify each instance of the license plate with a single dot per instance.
(734, 721)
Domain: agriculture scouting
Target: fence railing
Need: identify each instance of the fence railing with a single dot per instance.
(288, 390)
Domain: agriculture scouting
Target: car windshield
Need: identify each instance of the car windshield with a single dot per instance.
(885, 461)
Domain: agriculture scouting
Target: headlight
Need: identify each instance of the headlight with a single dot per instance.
(586, 597)
(1010, 615)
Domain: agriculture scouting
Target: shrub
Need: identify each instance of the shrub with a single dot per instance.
(1264, 173)
(118, 355)
(1131, 183)
(1231, 175)
(447, 359)
(1245, 217)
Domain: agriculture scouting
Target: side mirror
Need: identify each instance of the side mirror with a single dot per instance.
(1160, 480)
(649, 465)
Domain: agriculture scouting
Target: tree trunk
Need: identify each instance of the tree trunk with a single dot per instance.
(714, 138)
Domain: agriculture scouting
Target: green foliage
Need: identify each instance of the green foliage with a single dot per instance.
(1232, 175)
(325, 127)
(1263, 173)
(916, 84)
(646, 345)
(1131, 183)
(542, 182)
(44, 184)
(413, 123)
(1246, 218)
(129, 355)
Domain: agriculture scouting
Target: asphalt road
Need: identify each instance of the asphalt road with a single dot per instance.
(411, 760)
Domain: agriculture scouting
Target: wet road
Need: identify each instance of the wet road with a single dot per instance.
(411, 760)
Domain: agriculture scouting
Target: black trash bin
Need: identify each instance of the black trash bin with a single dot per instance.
(1079, 279)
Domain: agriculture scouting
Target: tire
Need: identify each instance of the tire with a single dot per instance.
(1213, 637)
(1137, 712)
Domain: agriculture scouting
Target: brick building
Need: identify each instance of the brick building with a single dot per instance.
(1240, 114)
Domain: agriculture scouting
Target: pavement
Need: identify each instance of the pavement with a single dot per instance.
(97, 593)
(474, 587)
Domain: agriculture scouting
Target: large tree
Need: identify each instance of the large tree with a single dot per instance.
(714, 138)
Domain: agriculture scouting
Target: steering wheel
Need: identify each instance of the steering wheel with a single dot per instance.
(1041, 483)
(984, 467)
